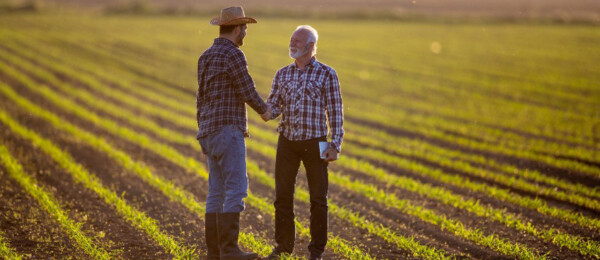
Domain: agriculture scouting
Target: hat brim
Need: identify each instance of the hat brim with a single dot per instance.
(236, 21)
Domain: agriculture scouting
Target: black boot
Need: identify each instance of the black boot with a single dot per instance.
(211, 234)
(229, 230)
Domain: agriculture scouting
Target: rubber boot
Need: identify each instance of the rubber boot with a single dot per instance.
(211, 233)
(229, 230)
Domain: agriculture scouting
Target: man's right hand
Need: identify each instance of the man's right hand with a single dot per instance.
(267, 115)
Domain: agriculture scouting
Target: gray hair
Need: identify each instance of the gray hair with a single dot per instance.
(313, 36)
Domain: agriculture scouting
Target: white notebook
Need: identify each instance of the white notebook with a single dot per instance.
(322, 147)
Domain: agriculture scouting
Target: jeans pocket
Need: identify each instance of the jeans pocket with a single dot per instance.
(202, 142)
(219, 143)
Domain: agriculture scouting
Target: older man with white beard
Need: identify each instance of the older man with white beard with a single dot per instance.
(307, 94)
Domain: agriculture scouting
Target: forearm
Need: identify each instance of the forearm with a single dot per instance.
(337, 136)
(274, 100)
(335, 117)
(256, 102)
(275, 110)
(335, 110)
(244, 84)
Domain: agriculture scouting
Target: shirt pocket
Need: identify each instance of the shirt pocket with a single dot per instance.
(314, 90)
(286, 89)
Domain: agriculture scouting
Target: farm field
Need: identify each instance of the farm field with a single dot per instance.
(463, 140)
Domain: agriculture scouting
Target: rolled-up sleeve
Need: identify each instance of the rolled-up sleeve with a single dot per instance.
(274, 99)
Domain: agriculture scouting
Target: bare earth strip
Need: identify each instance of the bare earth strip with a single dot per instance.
(28, 229)
(100, 219)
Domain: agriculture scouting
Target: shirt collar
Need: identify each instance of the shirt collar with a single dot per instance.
(224, 41)
(311, 63)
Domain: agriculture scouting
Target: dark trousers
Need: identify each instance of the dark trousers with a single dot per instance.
(287, 162)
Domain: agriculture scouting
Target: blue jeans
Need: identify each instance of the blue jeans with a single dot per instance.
(227, 179)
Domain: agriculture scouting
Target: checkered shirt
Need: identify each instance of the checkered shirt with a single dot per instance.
(224, 86)
(308, 100)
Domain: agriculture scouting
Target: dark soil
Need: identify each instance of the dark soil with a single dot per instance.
(173, 218)
(84, 205)
(575, 177)
(27, 228)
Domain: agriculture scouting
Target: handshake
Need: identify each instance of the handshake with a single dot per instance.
(267, 115)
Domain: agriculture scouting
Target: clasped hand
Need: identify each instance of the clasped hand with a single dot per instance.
(266, 116)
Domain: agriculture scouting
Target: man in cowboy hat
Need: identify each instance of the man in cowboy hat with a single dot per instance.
(224, 86)
(307, 95)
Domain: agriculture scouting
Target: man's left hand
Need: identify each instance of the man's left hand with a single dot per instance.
(330, 154)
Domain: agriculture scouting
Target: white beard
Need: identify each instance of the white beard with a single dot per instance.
(298, 53)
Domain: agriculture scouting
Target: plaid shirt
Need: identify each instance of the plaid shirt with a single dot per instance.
(308, 99)
(224, 85)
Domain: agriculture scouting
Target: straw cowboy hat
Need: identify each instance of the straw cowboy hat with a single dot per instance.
(232, 16)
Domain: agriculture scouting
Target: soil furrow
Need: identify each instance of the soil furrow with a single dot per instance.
(519, 162)
(173, 218)
(27, 228)
(99, 220)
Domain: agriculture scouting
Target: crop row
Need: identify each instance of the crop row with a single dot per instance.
(169, 189)
(468, 88)
(182, 139)
(516, 251)
(86, 73)
(163, 42)
(48, 202)
(169, 134)
(190, 164)
(402, 145)
(144, 47)
(179, 121)
(578, 200)
(80, 174)
(498, 193)
(390, 200)
(353, 218)
(489, 175)
(491, 241)
(145, 173)
(451, 118)
(456, 180)
(174, 193)
(181, 60)
(145, 123)
(7, 252)
(433, 131)
(452, 68)
(491, 135)
(488, 133)
(585, 247)
(564, 214)
(138, 59)
(421, 106)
